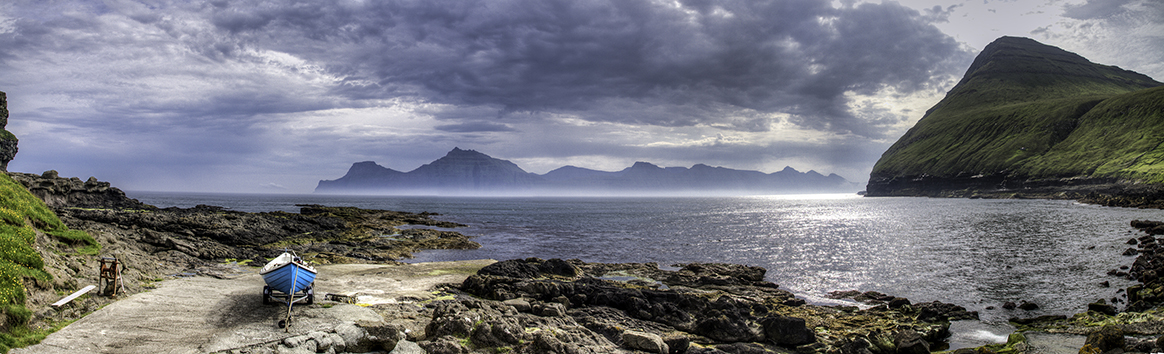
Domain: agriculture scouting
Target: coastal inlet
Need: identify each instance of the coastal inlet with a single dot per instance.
(976, 253)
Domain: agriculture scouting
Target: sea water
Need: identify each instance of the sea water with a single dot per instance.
(977, 253)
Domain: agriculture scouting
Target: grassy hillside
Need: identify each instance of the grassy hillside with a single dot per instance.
(1029, 110)
(22, 215)
(1120, 137)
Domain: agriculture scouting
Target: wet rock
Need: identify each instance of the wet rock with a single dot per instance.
(910, 342)
(1039, 319)
(748, 273)
(1135, 345)
(647, 342)
(846, 294)
(1106, 338)
(787, 331)
(1102, 307)
(1009, 305)
(794, 302)
(898, 302)
(1029, 306)
(857, 346)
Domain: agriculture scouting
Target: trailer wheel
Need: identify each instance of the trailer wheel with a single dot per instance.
(266, 295)
(311, 295)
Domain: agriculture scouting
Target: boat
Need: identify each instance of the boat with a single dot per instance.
(288, 274)
(289, 280)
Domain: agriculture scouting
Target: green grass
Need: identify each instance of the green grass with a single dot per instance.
(21, 215)
(1037, 111)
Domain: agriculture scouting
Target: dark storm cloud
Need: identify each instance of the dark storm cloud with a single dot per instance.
(474, 127)
(294, 85)
(1095, 9)
(731, 63)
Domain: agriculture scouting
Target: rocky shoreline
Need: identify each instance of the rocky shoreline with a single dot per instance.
(156, 244)
(1110, 192)
(535, 305)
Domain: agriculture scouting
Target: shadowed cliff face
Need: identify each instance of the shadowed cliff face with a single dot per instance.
(7, 140)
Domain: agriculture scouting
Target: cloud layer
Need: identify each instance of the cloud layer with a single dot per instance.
(280, 90)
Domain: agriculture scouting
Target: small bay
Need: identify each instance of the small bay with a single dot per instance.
(977, 253)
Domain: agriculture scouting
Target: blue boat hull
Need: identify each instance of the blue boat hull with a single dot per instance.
(289, 278)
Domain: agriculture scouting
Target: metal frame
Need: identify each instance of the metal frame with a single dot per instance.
(272, 296)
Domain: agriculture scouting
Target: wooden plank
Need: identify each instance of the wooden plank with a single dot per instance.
(74, 295)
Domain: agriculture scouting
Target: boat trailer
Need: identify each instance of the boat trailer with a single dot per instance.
(272, 296)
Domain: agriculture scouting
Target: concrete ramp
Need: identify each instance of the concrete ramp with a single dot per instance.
(203, 314)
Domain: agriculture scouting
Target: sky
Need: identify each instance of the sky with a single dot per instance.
(249, 96)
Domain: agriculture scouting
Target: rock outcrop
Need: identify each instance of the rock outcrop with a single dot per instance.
(569, 306)
(7, 140)
(57, 192)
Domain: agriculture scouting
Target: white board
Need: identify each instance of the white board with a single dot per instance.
(74, 295)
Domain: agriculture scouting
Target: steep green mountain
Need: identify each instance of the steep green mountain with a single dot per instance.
(1029, 117)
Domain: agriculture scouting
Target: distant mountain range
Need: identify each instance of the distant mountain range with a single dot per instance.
(468, 172)
(1033, 119)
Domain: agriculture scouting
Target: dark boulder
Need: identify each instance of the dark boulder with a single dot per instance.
(857, 346)
(560, 268)
(1107, 338)
(724, 328)
(513, 268)
(677, 344)
(1102, 307)
(1040, 319)
(940, 312)
(898, 302)
(743, 272)
(787, 331)
(910, 342)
